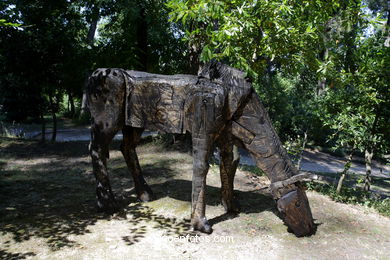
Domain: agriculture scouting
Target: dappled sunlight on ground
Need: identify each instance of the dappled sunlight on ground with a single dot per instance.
(47, 210)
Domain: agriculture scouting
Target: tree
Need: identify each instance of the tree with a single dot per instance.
(357, 106)
(36, 58)
(248, 34)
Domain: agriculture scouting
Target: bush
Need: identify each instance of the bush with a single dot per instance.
(11, 130)
(353, 196)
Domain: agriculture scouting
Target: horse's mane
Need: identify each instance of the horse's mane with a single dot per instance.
(219, 72)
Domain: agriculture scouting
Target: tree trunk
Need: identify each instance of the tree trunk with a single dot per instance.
(54, 118)
(142, 39)
(84, 108)
(323, 56)
(303, 149)
(54, 136)
(72, 106)
(194, 51)
(193, 57)
(43, 129)
(92, 27)
(347, 166)
(387, 30)
(368, 154)
(90, 38)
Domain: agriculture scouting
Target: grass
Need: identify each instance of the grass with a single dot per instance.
(353, 195)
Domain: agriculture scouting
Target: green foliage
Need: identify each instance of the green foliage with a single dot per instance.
(11, 130)
(357, 106)
(292, 104)
(120, 45)
(353, 196)
(40, 60)
(46, 52)
(250, 33)
(4, 23)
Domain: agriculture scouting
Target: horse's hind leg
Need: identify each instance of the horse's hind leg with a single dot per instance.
(99, 149)
(131, 137)
(228, 166)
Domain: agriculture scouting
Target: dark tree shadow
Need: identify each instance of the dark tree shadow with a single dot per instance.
(39, 215)
(34, 149)
(14, 256)
(250, 201)
(140, 214)
(55, 200)
(49, 204)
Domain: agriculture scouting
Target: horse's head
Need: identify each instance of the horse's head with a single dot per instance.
(253, 127)
(295, 210)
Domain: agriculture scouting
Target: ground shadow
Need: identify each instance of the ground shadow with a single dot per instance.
(249, 201)
(14, 256)
(46, 210)
(22, 149)
(139, 214)
(53, 200)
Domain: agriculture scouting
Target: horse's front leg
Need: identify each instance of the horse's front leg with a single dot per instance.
(201, 151)
(228, 166)
(99, 149)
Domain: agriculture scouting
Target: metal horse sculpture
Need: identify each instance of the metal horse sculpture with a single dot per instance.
(218, 106)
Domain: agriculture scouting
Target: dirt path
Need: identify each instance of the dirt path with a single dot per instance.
(47, 212)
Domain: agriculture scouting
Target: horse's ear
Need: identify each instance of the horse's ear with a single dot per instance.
(248, 79)
(214, 69)
(210, 70)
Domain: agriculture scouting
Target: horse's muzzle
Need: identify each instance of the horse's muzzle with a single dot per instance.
(296, 213)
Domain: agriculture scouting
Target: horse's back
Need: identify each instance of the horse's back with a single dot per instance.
(156, 102)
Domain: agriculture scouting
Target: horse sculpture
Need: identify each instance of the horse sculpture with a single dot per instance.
(217, 106)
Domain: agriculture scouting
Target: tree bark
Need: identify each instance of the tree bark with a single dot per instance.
(90, 38)
(323, 56)
(142, 39)
(347, 166)
(194, 51)
(368, 154)
(303, 149)
(54, 118)
(93, 26)
(72, 106)
(43, 129)
(387, 30)
(54, 135)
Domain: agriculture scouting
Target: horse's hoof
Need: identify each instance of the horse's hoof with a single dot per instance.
(231, 208)
(202, 225)
(108, 207)
(146, 196)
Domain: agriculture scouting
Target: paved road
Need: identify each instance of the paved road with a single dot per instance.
(312, 160)
(317, 161)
